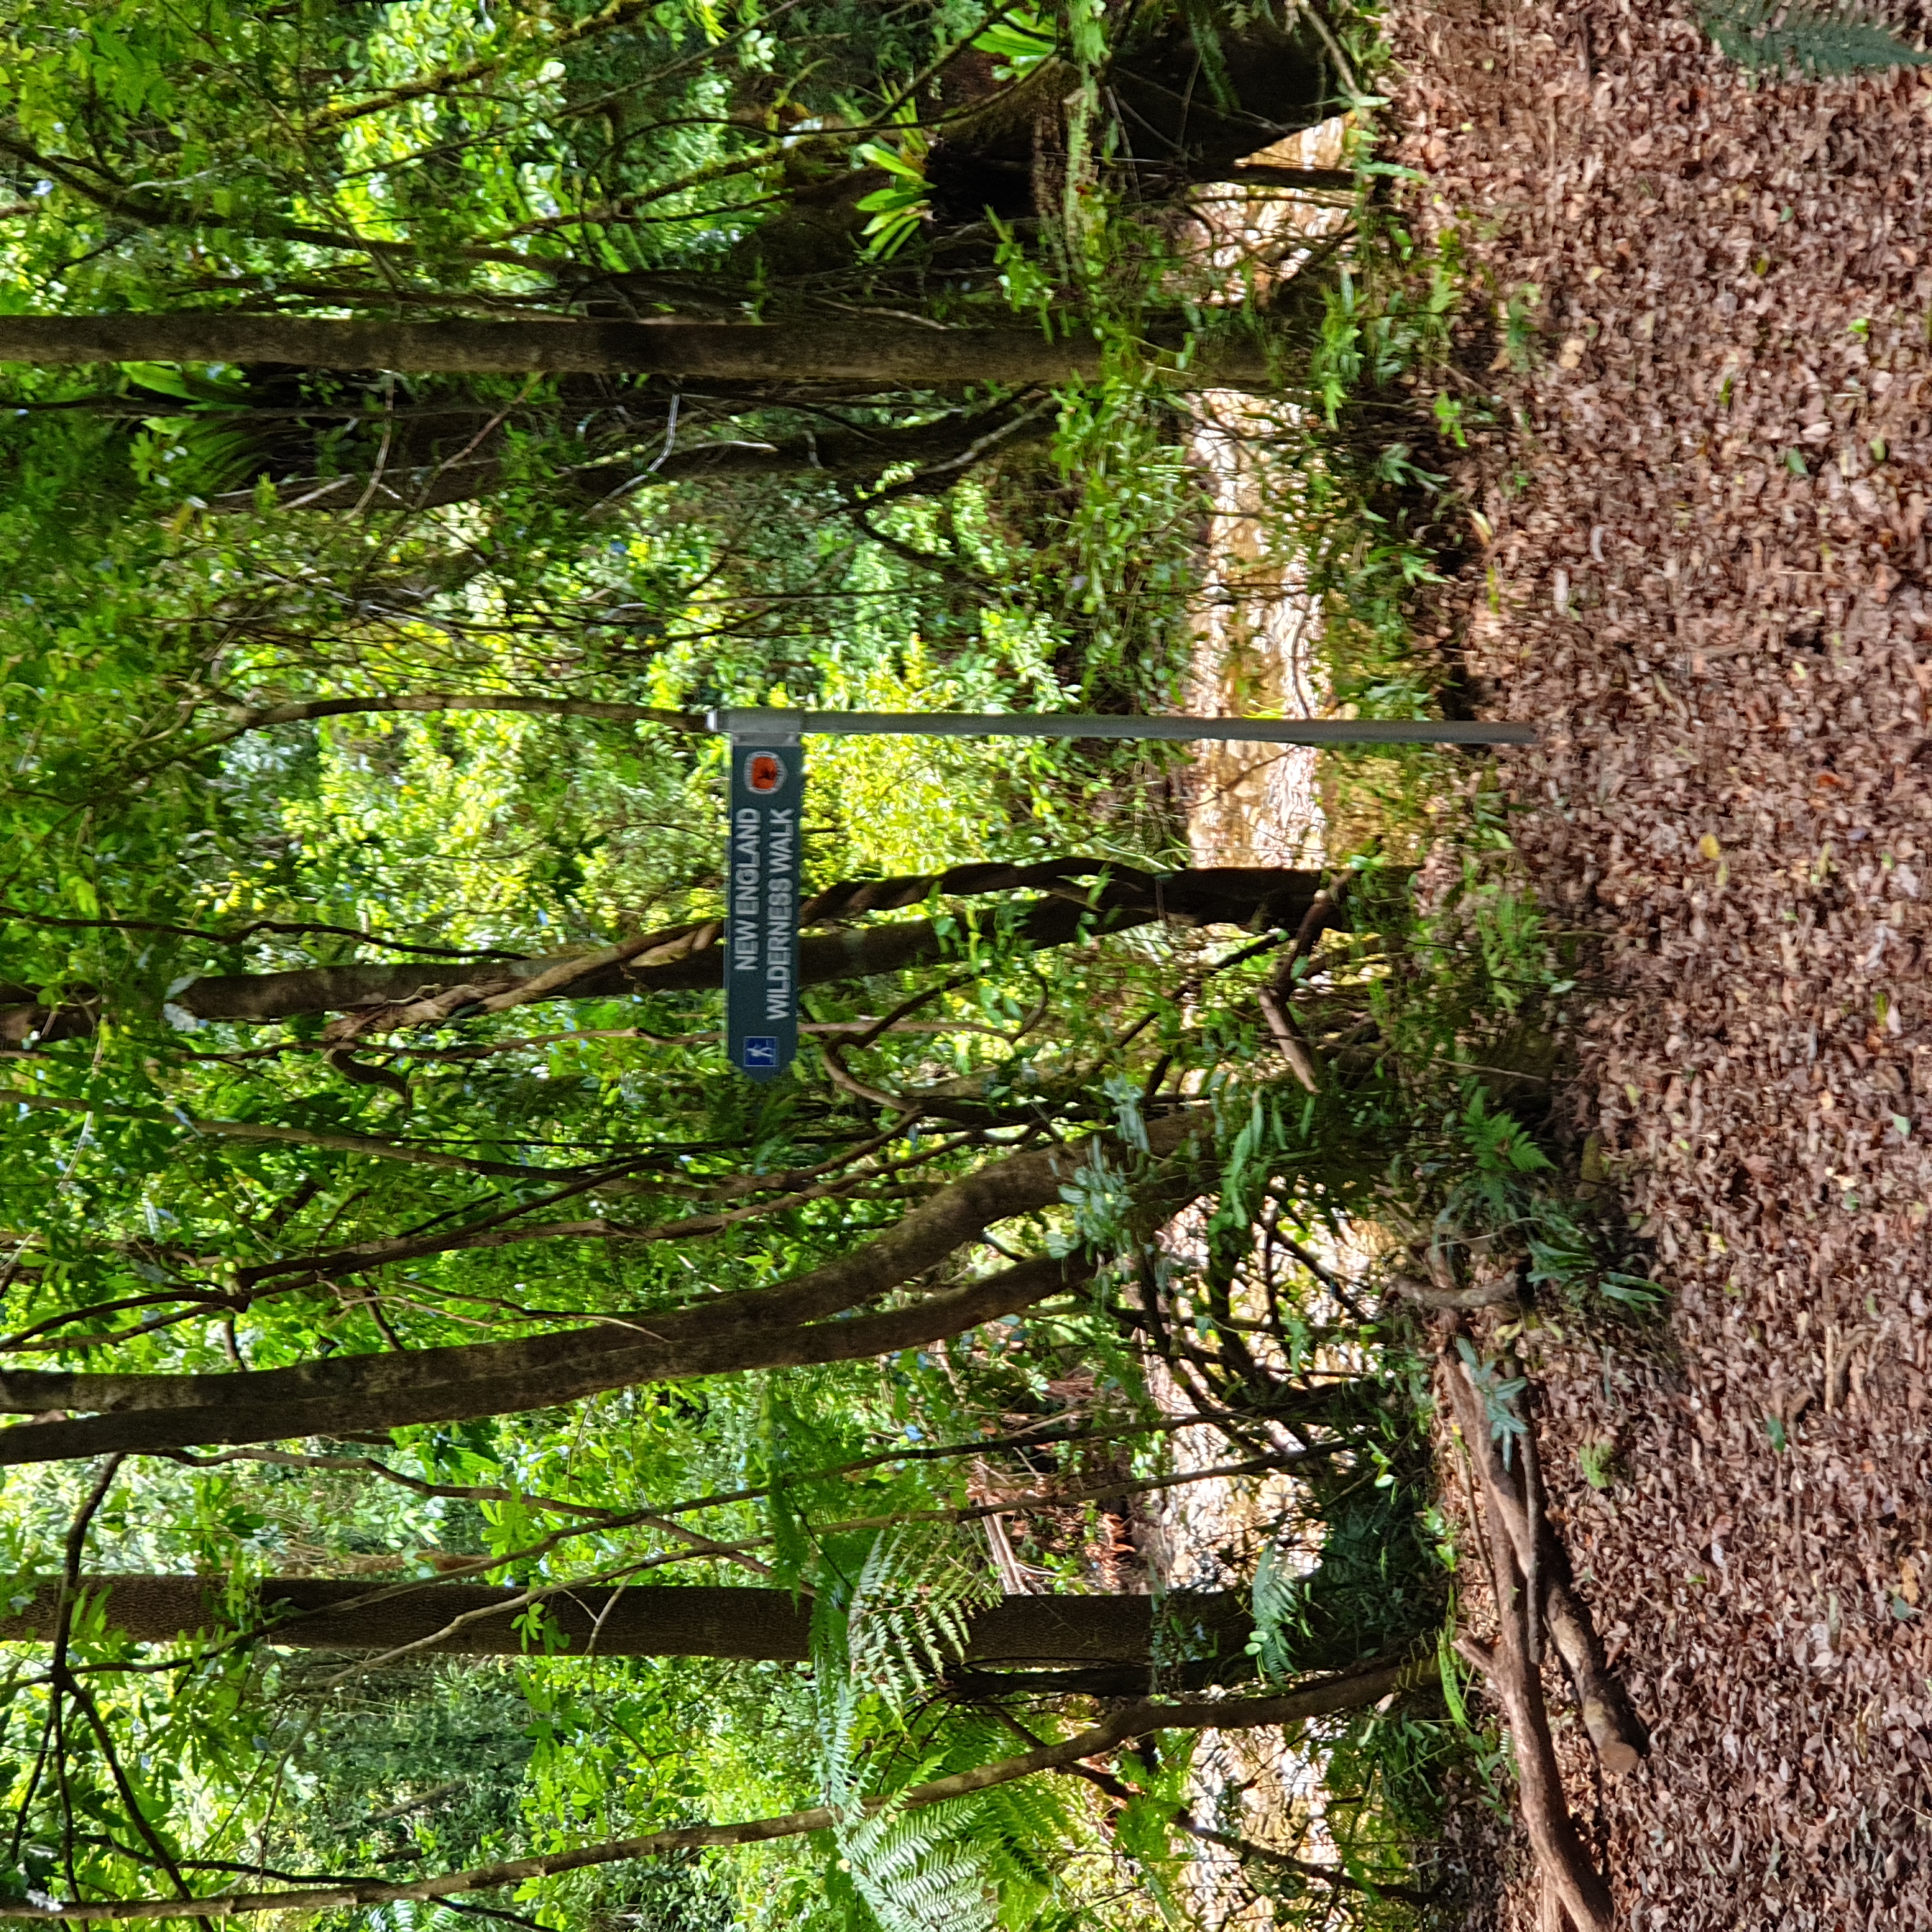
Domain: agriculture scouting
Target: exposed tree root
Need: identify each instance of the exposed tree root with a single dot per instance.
(1529, 1577)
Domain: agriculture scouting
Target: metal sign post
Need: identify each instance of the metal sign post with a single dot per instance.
(765, 849)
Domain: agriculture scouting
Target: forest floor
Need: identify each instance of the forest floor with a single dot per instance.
(1700, 568)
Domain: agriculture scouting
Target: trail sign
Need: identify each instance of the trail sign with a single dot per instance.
(767, 813)
(765, 852)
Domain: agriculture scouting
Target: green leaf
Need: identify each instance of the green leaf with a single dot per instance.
(891, 160)
(1772, 36)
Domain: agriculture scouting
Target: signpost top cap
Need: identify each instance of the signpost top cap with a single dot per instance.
(756, 728)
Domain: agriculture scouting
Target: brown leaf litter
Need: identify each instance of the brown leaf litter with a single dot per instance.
(1702, 570)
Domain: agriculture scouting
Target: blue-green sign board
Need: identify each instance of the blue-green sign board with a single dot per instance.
(765, 851)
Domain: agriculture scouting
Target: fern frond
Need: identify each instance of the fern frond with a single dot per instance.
(1277, 1599)
(920, 1871)
(909, 1611)
(966, 1866)
(1788, 36)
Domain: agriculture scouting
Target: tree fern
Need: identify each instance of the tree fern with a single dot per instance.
(1781, 36)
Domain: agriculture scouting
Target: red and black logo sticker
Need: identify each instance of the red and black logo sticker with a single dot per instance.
(764, 771)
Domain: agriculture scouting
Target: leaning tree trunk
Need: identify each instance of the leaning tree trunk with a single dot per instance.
(690, 957)
(355, 1395)
(1354, 1690)
(789, 1325)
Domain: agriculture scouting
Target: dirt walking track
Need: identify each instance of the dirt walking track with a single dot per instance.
(1704, 573)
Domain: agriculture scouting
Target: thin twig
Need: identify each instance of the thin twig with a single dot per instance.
(1292, 1050)
(1532, 1503)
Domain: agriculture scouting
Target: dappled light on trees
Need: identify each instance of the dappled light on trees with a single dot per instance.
(469, 1452)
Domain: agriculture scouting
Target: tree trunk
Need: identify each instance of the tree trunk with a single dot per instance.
(690, 958)
(799, 351)
(1177, 125)
(72, 1013)
(1185, 114)
(1200, 1636)
(660, 1620)
(784, 1326)
(351, 1395)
